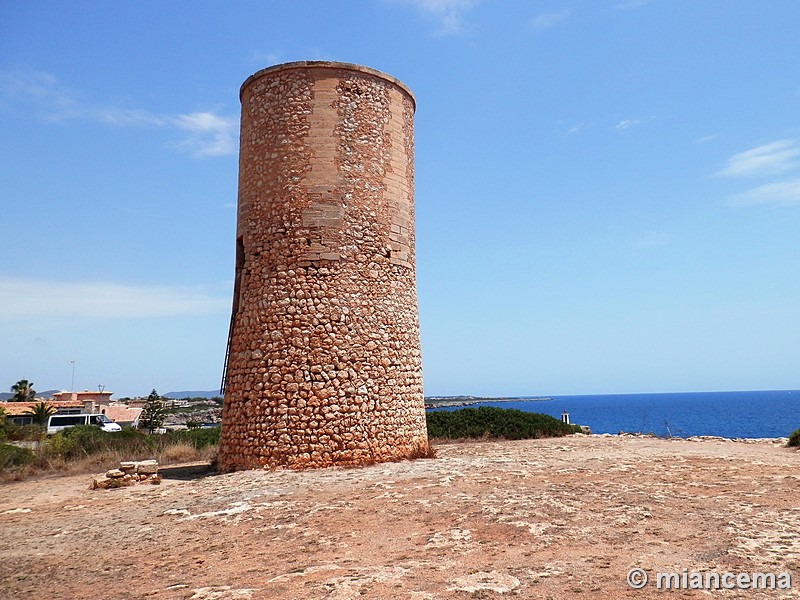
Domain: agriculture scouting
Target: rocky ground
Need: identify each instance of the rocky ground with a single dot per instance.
(554, 518)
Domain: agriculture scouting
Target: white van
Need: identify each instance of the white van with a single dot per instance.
(58, 422)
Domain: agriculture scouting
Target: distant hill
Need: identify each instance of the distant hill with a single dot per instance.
(179, 395)
(4, 396)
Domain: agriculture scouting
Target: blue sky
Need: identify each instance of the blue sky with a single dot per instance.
(607, 192)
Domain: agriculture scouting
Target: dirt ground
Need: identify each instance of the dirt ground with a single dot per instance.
(553, 518)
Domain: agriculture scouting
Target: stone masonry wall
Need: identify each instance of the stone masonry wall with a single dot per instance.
(324, 361)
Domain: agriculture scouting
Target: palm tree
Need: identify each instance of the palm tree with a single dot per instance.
(41, 412)
(23, 391)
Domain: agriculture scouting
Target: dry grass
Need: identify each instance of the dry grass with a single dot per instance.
(439, 441)
(175, 453)
(185, 452)
(18, 473)
(423, 451)
(107, 459)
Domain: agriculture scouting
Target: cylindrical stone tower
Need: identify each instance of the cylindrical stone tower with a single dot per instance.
(324, 364)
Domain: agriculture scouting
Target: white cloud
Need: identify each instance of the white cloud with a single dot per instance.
(706, 138)
(449, 13)
(549, 19)
(265, 59)
(41, 89)
(102, 300)
(626, 123)
(779, 193)
(631, 4)
(769, 159)
(576, 128)
(122, 117)
(209, 134)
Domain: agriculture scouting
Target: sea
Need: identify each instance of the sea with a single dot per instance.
(762, 414)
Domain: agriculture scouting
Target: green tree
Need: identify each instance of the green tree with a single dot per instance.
(152, 416)
(23, 391)
(41, 412)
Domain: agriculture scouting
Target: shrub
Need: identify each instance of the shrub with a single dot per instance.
(83, 449)
(12, 457)
(794, 439)
(85, 440)
(16, 433)
(493, 422)
(199, 438)
(6, 427)
(179, 452)
(31, 433)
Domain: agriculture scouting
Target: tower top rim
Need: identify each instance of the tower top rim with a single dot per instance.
(327, 64)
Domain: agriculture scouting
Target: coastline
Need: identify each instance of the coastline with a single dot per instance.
(757, 414)
(696, 438)
(450, 401)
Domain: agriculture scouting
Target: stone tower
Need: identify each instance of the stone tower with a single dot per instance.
(323, 364)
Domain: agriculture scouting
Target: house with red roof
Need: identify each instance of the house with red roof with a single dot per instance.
(70, 403)
(17, 412)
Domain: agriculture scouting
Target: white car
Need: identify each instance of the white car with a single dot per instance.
(57, 423)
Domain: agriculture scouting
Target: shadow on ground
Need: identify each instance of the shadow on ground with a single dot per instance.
(187, 472)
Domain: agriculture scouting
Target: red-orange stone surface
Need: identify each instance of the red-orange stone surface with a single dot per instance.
(324, 365)
(558, 519)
